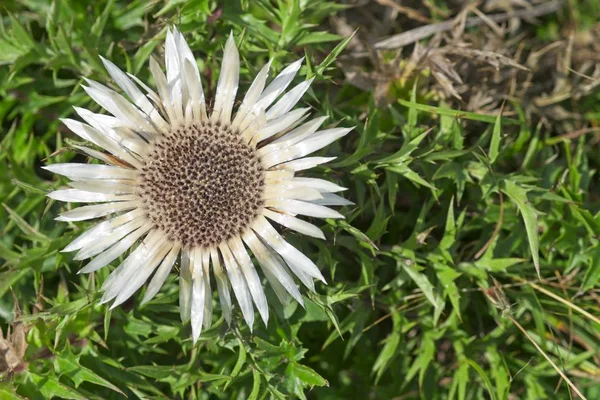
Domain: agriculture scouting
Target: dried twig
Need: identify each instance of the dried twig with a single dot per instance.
(564, 301)
(422, 32)
(497, 297)
(543, 353)
(572, 135)
(409, 12)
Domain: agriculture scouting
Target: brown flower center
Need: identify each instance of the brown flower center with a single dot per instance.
(201, 184)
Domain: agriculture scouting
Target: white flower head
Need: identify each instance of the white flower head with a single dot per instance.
(203, 184)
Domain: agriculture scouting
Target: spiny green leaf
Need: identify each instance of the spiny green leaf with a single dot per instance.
(49, 387)
(331, 57)
(307, 375)
(27, 229)
(495, 143)
(447, 277)
(456, 113)
(255, 385)
(241, 360)
(592, 275)
(411, 175)
(421, 280)
(29, 188)
(483, 375)
(7, 392)
(498, 264)
(387, 354)
(529, 214)
(69, 365)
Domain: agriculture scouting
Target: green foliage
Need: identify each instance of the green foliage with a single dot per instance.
(447, 201)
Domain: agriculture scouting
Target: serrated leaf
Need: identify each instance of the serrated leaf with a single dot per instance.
(255, 385)
(411, 175)
(447, 276)
(386, 355)
(456, 113)
(318, 37)
(107, 316)
(307, 375)
(356, 233)
(450, 232)
(11, 277)
(455, 172)
(8, 393)
(164, 372)
(421, 281)
(337, 50)
(100, 23)
(68, 308)
(498, 264)
(413, 112)
(496, 135)
(29, 188)
(422, 361)
(152, 371)
(592, 274)
(141, 56)
(27, 229)
(402, 155)
(49, 387)
(484, 377)
(70, 367)
(529, 215)
(460, 382)
(21, 35)
(241, 360)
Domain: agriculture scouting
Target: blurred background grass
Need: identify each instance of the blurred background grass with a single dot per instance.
(467, 269)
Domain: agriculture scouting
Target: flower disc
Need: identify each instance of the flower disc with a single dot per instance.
(202, 184)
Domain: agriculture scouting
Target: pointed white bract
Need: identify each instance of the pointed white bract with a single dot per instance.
(140, 120)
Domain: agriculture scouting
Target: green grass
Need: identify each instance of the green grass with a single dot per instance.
(466, 227)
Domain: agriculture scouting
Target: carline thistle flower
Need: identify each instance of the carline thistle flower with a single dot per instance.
(186, 180)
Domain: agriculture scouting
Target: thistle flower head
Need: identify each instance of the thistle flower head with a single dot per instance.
(181, 179)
